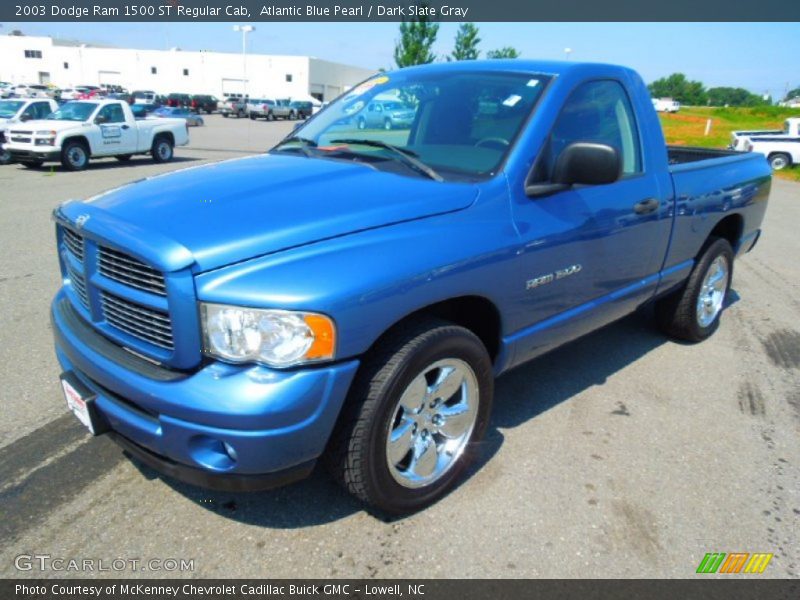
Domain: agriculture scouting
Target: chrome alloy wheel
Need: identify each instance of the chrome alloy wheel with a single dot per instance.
(432, 423)
(712, 293)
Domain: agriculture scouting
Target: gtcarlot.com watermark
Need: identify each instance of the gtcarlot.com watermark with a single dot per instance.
(47, 562)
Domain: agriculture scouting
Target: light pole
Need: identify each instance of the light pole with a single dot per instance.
(245, 29)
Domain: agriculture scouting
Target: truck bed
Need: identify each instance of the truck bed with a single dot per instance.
(679, 155)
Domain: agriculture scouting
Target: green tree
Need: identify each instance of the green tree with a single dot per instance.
(795, 93)
(416, 40)
(677, 87)
(467, 41)
(729, 96)
(505, 52)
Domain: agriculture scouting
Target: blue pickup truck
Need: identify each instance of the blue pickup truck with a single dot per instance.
(349, 296)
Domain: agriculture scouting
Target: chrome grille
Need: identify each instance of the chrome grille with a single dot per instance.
(79, 285)
(131, 272)
(139, 321)
(74, 243)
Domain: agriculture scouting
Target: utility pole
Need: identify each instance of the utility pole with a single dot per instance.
(245, 29)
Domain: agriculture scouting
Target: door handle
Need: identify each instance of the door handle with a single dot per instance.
(645, 207)
(126, 126)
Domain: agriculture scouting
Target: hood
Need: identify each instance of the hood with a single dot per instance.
(47, 124)
(235, 210)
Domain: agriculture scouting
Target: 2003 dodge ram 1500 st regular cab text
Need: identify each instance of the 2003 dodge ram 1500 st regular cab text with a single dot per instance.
(351, 295)
(84, 129)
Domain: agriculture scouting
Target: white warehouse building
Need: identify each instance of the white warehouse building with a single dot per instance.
(64, 63)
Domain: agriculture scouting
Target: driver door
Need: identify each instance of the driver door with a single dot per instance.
(590, 254)
(116, 135)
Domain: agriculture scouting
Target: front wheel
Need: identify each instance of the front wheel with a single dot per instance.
(387, 124)
(692, 313)
(779, 161)
(415, 414)
(74, 156)
(5, 157)
(162, 150)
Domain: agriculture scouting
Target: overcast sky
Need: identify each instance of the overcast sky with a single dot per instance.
(762, 57)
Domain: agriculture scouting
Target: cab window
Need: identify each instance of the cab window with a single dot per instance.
(599, 112)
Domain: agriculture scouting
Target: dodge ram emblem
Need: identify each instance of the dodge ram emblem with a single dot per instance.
(81, 220)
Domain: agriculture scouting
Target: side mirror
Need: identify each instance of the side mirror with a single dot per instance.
(100, 119)
(580, 163)
(25, 117)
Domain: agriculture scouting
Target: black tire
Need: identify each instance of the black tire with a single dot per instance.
(224, 115)
(74, 156)
(677, 313)
(779, 161)
(162, 149)
(252, 116)
(357, 455)
(270, 116)
(387, 124)
(124, 157)
(5, 157)
(32, 164)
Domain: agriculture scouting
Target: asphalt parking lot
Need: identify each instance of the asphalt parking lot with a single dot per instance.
(620, 455)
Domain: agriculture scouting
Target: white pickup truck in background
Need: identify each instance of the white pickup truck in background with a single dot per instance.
(20, 110)
(666, 105)
(781, 146)
(86, 129)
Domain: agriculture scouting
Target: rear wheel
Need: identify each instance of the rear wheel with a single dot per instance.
(692, 313)
(415, 414)
(162, 150)
(75, 156)
(779, 161)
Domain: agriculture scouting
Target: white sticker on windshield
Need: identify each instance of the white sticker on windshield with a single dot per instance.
(512, 100)
(533, 83)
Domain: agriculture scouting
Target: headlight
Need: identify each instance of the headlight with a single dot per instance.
(277, 338)
(48, 132)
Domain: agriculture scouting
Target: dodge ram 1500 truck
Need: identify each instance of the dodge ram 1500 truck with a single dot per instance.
(80, 130)
(350, 296)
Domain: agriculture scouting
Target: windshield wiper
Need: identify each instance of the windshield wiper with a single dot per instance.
(408, 157)
(305, 144)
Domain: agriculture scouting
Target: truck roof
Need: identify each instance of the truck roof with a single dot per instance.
(550, 67)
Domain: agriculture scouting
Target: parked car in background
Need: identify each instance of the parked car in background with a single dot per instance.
(302, 109)
(140, 111)
(6, 89)
(124, 96)
(780, 146)
(177, 112)
(85, 129)
(21, 110)
(144, 97)
(204, 102)
(233, 105)
(179, 100)
(24, 90)
(365, 330)
(385, 114)
(666, 105)
(270, 109)
(73, 93)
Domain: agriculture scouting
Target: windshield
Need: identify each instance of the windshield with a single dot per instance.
(9, 109)
(74, 111)
(461, 124)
